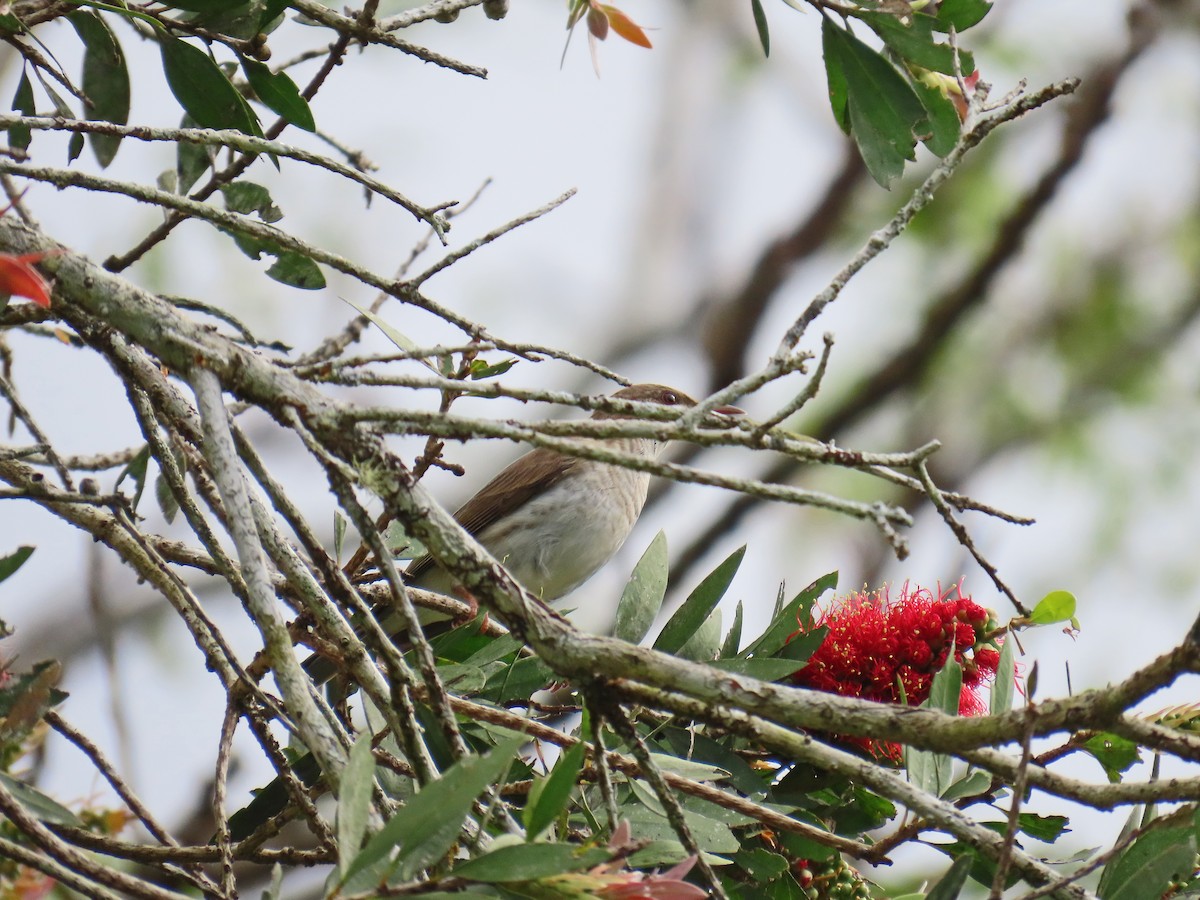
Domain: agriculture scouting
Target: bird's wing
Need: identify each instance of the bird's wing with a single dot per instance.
(533, 473)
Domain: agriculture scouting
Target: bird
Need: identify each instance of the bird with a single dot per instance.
(552, 520)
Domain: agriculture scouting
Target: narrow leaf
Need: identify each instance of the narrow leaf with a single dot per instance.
(1005, 682)
(136, 469)
(105, 81)
(42, 806)
(19, 136)
(401, 340)
(206, 7)
(760, 24)
(788, 619)
(13, 561)
(835, 76)
(428, 826)
(167, 504)
(525, 862)
(279, 93)
(703, 644)
(203, 90)
(930, 771)
(951, 884)
(626, 27)
(764, 669)
(354, 800)
(696, 608)
(733, 640)
(555, 792)
(191, 160)
(643, 595)
(1151, 864)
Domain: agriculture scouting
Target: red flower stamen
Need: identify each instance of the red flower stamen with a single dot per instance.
(889, 650)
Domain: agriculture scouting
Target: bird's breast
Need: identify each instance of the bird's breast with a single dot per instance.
(558, 540)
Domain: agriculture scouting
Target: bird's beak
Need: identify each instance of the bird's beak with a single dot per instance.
(723, 416)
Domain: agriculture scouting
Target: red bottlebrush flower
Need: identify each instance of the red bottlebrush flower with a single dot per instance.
(889, 650)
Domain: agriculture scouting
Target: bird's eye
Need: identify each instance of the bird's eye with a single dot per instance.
(669, 398)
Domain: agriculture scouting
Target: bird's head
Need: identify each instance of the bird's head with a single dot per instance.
(662, 396)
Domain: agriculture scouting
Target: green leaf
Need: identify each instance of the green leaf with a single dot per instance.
(61, 107)
(1056, 606)
(961, 14)
(426, 828)
(703, 644)
(191, 160)
(520, 680)
(944, 124)
(700, 603)
(203, 90)
(297, 270)
(693, 769)
(554, 792)
(480, 369)
(760, 25)
(1115, 753)
(764, 669)
(401, 340)
(1005, 682)
(248, 198)
(951, 884)
(136, 469)
(927, 770)
(167, 504)
(339, 535)
(279, 93)
(44, 808)
(525, 862)
(695, 746)
(761, 865)
(711, 835)
(733, 639)
(272, 10)
(914, 42)
(354, 800)
(1043, 828)
(883, 110)
(206, 7)
(290, 268)
(789, 617)
(1150, 865)
(835, 76)
(19, 136)
(974, 782)
(74, 148)
(13, 561)
(643, 595)
(105, 81)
